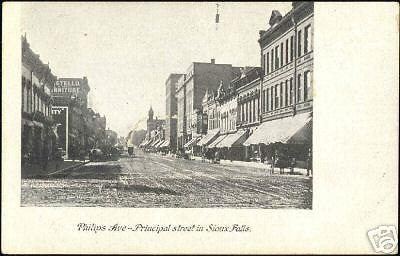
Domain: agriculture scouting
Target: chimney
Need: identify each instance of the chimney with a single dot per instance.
(212, 61)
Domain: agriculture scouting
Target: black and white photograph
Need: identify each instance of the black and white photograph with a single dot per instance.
(186, 116)
(198, 127)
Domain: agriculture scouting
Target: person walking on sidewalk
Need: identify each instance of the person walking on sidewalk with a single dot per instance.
(58, 158)
(45, 156)
(309, 162)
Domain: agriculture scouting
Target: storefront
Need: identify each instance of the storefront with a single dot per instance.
(289, 136)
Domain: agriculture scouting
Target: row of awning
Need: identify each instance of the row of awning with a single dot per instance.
(296, 129)
(289, 130)
(154, 143)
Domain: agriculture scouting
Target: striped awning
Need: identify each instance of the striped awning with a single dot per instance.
(216, 141)
(208, 138)
(295, 129)
(234, 139)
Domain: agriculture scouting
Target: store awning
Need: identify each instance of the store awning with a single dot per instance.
(296, 129)
(192, 142)
(216, 141)
(158, 145)
(148, 143)
(209, 137)
(155, 142)
(165, 144)
(234, 139)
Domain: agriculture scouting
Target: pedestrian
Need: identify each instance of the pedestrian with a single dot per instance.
(45, 156)
(309, 162)
(217, 156)
(292, 165)
(58, 158)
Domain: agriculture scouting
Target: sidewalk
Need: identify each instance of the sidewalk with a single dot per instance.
(36, 170)
(258, 165)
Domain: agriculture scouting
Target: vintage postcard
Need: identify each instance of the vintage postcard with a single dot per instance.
(200, 127)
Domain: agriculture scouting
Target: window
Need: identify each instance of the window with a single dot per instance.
(291, 92)
(276, 96)
(272, 60)
(263, 62)
(254, 110)
(271, 98)
(276, 56)
(266, 107)
(281, 54)
(281, 95)
(307, 39)
(286, 93)
(23, 93)
(299, 43)
(307, 86)
(291, 48)
(263, 99)
(299, 89)
(287, 52)
(267, 63)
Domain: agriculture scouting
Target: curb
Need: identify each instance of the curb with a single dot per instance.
(68, 168)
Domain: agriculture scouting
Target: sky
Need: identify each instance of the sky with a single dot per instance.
(127, 50)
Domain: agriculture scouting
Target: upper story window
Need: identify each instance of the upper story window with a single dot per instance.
(291, 48)
(281, 54)
(276, 56)
(307, 85)
(307, 39)
(267, 63)
(272, 60)
(299, 43)
(287, 51)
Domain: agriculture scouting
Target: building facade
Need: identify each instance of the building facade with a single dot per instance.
(191, 89)
(287, 54)
(79, 127)
(286, 84)
(37, 137)
(171, 110)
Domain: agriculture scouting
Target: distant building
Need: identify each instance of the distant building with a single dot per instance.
(191, 89)
(171, 110)
(36, 128)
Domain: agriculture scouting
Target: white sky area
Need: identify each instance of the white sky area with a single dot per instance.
(127, 50)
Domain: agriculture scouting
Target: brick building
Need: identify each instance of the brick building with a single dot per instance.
(191, 89)
(286, 88)
(171, 111)
(37, 80)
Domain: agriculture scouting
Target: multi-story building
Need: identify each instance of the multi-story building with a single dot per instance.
(171, 111)
(191, 89)
(37, 79)
(286, 88)
(70, 111)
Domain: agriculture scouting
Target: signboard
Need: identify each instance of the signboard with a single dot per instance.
(60, 116)
(67, 86)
